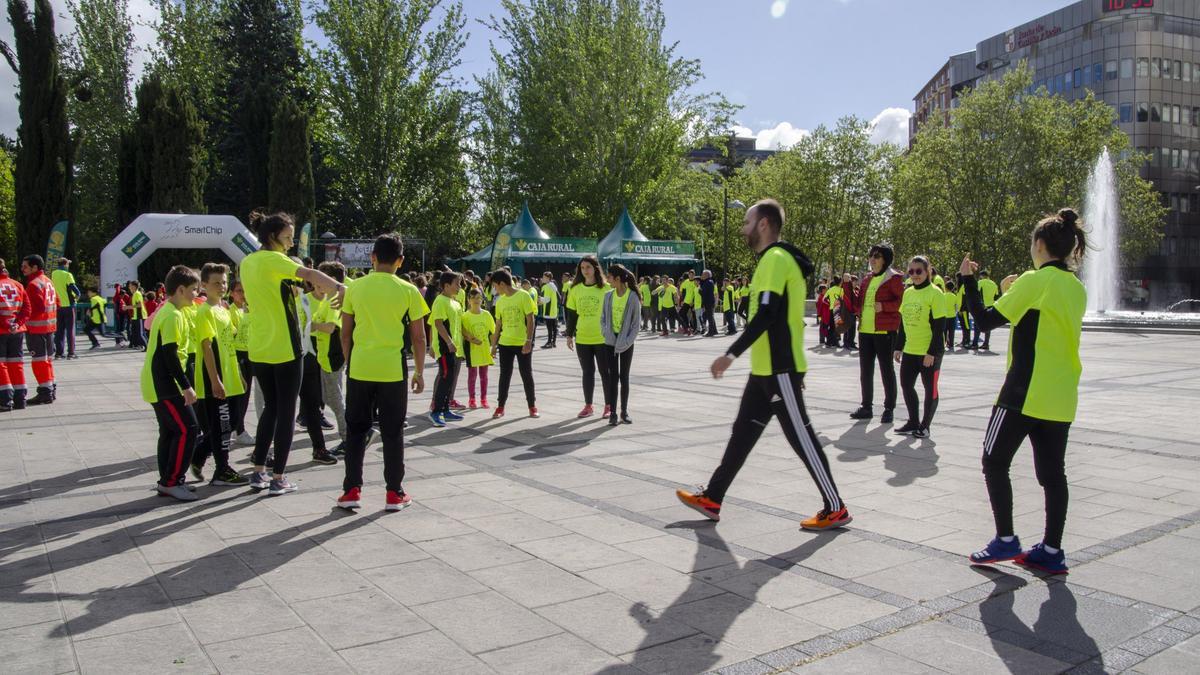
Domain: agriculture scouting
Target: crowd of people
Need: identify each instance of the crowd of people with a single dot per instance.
(304, 338)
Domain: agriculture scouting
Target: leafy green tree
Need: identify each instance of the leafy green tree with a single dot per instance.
(589, 111)
(397, 121)
(42, 172)
(8, 226)
(291, 175)
(100, 57)
(1006, 159)
(179, 154)
(259, 43)
(187, 54)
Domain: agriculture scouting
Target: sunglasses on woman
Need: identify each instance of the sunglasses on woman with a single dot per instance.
(915, 271)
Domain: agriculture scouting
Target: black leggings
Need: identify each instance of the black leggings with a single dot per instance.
(876, 348)
(966, 328)
(551, 331)
(311, 402)
(280, 384)
(591, 358)
(243, 402)
(524, 364)
(618, 375)
(910, 367)
(177, 430)
(216, 420)
(1005, 432)
(766, 396)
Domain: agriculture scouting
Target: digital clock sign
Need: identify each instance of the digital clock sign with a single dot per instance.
(1119, 5)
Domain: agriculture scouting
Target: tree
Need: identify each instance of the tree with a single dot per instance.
(178, 158)
(260, 46)
(291, 175)
(589, 111)
(8, 229)
(42, 172)
(1008, 158)
(187, 53)
(397, 122)
(101, 60)
(835, 187)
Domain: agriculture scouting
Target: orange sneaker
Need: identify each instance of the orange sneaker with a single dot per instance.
(696, 500)
(824, 520)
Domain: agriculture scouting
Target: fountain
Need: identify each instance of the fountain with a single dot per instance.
(1102, 264)
(1101, 213)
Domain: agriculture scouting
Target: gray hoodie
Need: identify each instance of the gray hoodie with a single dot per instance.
(631, 320)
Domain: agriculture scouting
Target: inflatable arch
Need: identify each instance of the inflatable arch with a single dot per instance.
(151, 231)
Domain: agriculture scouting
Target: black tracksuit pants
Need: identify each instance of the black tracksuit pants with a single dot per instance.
(443, 385)
(216, 420)
(312, 399)
(280, 384)
(876, 348)
(768, 396)
(618, 375)
(591, 359)
(363, 399)
(506, 354)
(910, 367)
(1005, 432)
(177, 429)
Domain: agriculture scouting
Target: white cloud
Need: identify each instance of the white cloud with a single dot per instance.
(780, 137)
(891, 126)
(144, 16)
(778, 9)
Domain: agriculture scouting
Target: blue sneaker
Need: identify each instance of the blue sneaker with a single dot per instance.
(1038, 559)
(452, 416)
(997, 550)
(436, 419)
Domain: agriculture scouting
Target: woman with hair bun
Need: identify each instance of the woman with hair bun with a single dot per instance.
(619, 314)
(1041, 389)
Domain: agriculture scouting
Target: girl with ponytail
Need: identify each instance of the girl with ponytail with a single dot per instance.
(1038, 400)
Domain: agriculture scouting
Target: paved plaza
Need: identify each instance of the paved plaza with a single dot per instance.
(556, 545)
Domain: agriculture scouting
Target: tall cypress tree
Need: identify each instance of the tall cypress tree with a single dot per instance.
(179, 157)
(42, 175)
(291, 174)
(149, 92)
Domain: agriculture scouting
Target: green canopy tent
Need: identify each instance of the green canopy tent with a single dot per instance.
(526, 248)
(626, 245)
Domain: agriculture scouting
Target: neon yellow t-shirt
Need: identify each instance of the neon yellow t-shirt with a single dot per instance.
(550, 309)
(138, 303)
(480, 325)
(867, 324)
(512, 310)
(241, 328)
(267, 277)
(989, 290)
(781, 348)
(586, 302)
(169, 327)
(667, 299)
(644, 292)
(918, 308)
(618, 310)
(382, 308)
(62, 279)
(97, 310)
(214, 323)
(323, 312)
(449, 312)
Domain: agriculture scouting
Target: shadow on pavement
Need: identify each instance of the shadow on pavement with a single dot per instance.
(664, 628)
(87, 478)
(1057, 621)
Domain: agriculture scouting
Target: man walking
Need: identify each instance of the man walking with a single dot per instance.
(775, 338)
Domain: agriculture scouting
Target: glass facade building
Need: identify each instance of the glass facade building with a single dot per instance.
(1142, 57)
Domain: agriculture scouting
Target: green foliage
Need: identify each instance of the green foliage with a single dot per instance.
(179, 154)
(396, 120)
(187, 54)
(259, 48)
(835, 188)
(589, 111)
(1006, 160)
(291, 175)
(100, 57)
(8, 225)
(42, 182)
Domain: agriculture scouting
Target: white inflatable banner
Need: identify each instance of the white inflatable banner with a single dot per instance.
(151, 231)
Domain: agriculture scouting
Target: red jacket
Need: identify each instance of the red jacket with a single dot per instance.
(14, 306)
(43, 304)
(822, 307)
(889, 294)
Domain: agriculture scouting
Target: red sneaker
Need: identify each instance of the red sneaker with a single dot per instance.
(350, 500)
(499, 412)
(484, 404)
(397, 501)
(455, 405)
(471, 404)
(607, 412)
(533, 411)
(587, 411)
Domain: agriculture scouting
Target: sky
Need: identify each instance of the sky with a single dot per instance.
(792, 64)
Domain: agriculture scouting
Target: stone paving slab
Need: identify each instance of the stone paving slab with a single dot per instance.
(556, 546)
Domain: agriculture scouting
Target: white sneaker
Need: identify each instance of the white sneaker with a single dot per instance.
(245, 438)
